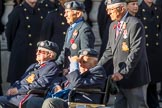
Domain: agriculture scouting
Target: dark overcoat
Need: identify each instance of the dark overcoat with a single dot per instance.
(151, 18)
(128, 52)
(23, 33)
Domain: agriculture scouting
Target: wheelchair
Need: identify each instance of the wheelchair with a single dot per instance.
(110, 88)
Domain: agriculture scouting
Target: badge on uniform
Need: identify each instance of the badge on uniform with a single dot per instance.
(75, 33)
(74, 46)
(72, 40)
(125, 47)
(30, 78)
(125, 34)
(124, 26)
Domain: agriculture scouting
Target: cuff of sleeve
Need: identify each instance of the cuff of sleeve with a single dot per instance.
(74, 66)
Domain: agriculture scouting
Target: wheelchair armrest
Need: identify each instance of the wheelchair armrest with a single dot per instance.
(88, 90)
(81, 90)
(38, 92)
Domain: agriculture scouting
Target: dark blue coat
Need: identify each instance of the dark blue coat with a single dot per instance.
(41, 76)
(93, 78)
(23, 33)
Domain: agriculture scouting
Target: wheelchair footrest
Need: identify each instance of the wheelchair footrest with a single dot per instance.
(85, 105)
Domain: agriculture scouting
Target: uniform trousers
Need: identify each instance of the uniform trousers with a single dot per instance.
(4, 103)
(55, 103)
(131, 98)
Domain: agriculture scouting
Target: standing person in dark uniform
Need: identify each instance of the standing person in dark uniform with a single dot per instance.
(38, 75)
(79, 34)
(126, 46)
(55, 26)
(132, 6)
(151, 16)
(23, 33)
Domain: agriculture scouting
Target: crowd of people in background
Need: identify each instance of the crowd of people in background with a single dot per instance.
(130, 51)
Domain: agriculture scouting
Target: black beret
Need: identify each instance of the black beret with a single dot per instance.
(128, 1)
(74, 5)
(110, 2)
(48, 45)
(88, 52)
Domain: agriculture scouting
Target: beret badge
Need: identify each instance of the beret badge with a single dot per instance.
(85, 52)
(68, 6)
(42, 44)
(108, 1)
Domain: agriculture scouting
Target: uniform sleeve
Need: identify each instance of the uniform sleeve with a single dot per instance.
(96, 78)
(49, 75)
(11, 26)
(87, 38)
(107, 55)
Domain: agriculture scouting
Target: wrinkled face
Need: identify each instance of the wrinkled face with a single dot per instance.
(71, 16)
(114, 12)
(132, 7)
(42, 55)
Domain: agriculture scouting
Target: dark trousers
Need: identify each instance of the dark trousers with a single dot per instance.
(152, 96)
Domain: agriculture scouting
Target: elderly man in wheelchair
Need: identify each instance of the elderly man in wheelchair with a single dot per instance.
(83, 74)
(39, 75)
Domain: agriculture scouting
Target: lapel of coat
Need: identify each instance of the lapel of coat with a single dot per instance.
(116, 42)
(75, 34)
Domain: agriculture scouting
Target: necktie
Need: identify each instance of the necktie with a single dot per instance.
(117, 30)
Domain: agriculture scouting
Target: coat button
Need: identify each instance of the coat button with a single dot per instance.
(64, 33)
(157, 43)
(46, 5)
(147, 44)
(144, 18)
(41, 17)
(157, 25)
(157, 34)
(146, 27)
(143, 10)
(25, 9)
(61, 14)
(30, 44)
(146, 35)
(157, 17)
(62, 23)
(29, 35)
(38, 9)
(27, 17)
(28, 26)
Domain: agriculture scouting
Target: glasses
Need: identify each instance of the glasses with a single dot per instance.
(41, 51)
